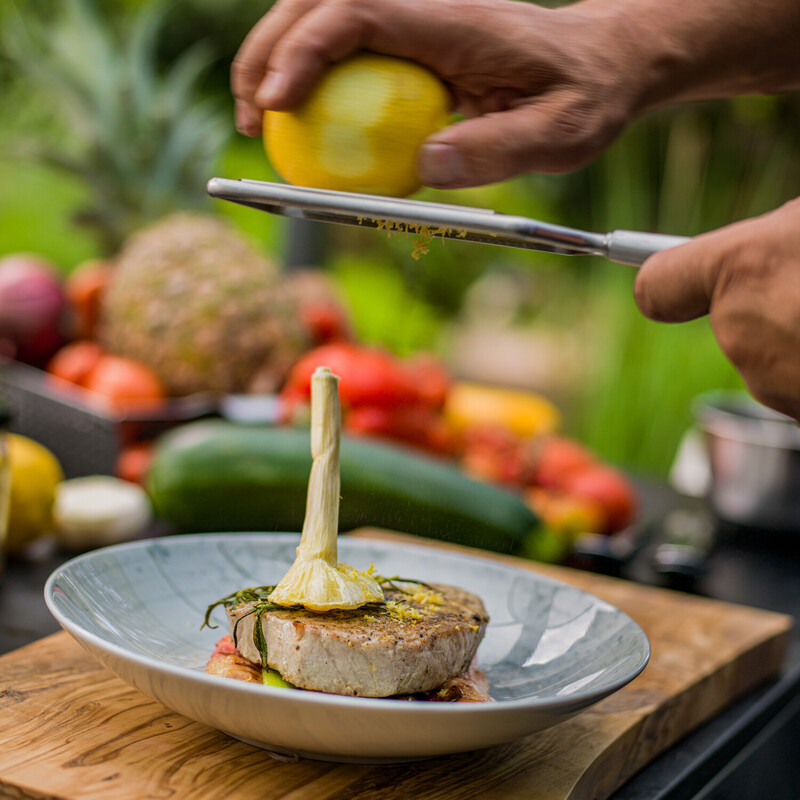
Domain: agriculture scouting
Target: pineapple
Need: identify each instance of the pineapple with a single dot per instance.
(143, 142)
(192, 299)
(188, 296)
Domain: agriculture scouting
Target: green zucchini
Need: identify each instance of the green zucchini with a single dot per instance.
(215, 475)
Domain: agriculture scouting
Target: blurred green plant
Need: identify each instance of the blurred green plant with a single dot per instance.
(680, 171)
(141, 140)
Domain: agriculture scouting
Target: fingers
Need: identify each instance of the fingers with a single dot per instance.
(747, 278)
(249, 68)
(677, 285)
(290, 47)
(323, 36)
(555, 132)
(432, 33)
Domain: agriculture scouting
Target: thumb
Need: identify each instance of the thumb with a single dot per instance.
(677, 285)
(553, 132)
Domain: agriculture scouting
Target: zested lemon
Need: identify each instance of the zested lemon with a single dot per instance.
(360, 129)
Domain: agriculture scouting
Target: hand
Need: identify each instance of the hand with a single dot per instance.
(746, 276)
(545, 90)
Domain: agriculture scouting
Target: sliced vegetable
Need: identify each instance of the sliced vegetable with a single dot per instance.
(317, 580)
(99, 510)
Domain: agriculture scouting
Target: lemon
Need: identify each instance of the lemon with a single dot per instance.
(360, 129)
(35, 474)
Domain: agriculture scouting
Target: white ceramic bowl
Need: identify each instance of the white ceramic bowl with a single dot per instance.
(550, 649)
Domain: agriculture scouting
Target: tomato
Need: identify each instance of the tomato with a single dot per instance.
(74, 361)
(566, 513)
(415, 425)
(368, 376)
(326, 322)
(133, 462)
(610, 490)
(125, 383)
(84, 288)
(225, 646)
(496, 454)
(558, 460)
(431, 379)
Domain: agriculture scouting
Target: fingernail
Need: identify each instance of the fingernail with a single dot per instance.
(246, 121)
(441, 165)
(271, 89)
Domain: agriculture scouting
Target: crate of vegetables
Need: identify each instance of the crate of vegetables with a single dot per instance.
(422, 453)
(90, 407)
(88, 432)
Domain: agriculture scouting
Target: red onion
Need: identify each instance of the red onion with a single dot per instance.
(32, 308)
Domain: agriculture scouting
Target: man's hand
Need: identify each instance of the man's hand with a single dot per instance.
(545, 90)
(542, 89)
(747, 277)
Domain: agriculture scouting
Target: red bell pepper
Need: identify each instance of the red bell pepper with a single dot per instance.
(368, 377)
(414, 425)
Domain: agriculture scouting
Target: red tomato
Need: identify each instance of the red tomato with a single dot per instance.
(84, 288)
(431, 379)
(326, 322)
(493, 453)
(133, 462)
(567, 514)
(368, 376)
(127, 384)
(74, 361)
(414, 425)
(610, 490)
(558, 460)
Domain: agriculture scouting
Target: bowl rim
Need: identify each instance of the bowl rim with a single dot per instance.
(200, 678)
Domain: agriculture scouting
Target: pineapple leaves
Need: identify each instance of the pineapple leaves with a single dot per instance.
(142, 138)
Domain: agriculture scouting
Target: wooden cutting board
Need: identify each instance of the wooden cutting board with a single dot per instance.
(69, 729)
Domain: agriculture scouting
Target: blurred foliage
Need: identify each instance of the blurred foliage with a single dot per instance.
(140, 138)
(682, 170)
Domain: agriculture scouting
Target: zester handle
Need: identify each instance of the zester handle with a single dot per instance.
(635, 247)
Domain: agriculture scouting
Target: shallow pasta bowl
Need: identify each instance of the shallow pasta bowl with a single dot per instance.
(550, 651)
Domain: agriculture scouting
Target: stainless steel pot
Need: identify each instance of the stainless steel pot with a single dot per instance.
(754, 458)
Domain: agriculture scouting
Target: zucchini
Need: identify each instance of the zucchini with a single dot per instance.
(215, 475)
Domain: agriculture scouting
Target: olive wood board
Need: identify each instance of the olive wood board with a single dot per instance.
(70, 729)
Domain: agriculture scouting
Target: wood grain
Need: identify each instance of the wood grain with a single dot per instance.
(71, 730)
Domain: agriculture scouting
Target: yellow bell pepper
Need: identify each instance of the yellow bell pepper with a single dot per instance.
(524, 413)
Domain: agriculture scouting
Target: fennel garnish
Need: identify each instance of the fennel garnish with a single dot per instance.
(317, 580)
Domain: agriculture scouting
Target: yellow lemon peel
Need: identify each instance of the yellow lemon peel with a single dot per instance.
(361, 127)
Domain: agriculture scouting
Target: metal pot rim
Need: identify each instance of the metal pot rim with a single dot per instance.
(735, 415)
